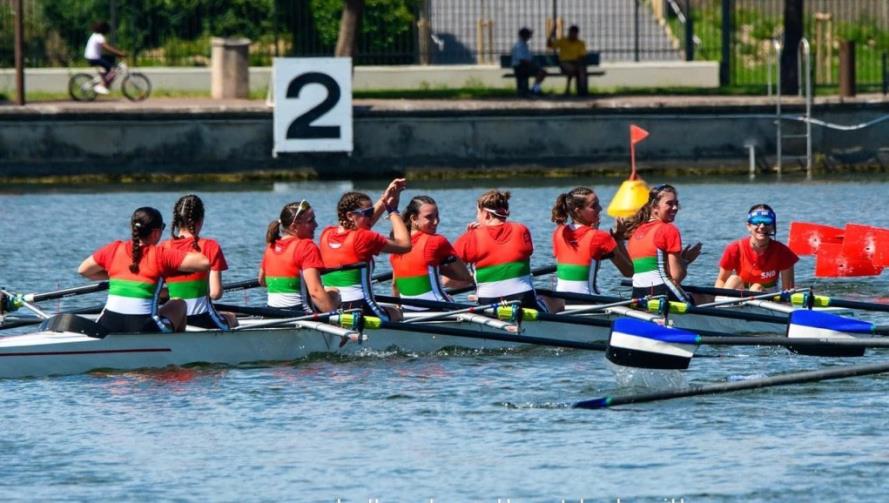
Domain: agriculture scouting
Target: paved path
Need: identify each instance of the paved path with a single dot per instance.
(614, 103)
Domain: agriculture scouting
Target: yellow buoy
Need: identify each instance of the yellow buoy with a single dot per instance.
(633, 192)
(632, 195)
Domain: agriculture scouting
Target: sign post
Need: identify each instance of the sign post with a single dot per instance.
(313, 105)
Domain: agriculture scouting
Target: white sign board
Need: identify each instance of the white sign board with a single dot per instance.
(313, 104)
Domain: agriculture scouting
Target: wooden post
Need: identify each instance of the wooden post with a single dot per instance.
(424, 33)
(847, 69)
(19, 54)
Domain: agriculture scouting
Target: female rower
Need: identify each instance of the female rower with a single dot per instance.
(135, 270)
(580, 246)
(655, 247)
(500, 252)
(352, 242)
(291, 265)
(197, 289)
(431, 264)
(755, 262)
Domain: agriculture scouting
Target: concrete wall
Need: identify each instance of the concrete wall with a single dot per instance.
(37, 144)
(698, 74)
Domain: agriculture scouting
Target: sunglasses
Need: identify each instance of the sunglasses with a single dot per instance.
(761, 217)
(364, 212)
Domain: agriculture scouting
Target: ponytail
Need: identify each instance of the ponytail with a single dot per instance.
(142, 223)
(568, 204)
(289, 214)
(644, 213)
(187, 213)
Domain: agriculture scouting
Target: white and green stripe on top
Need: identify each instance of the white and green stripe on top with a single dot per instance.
(650, 271)
(504, 279)
(195, 293)
(350, 282)
(132, 297)
(426, 287)
(285, 292)
(577, 278)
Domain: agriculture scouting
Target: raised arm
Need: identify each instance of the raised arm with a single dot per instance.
(390, 196)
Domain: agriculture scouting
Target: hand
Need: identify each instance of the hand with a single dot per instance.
(690, 253)
(471, 225)
(619, 231)
(472, 297)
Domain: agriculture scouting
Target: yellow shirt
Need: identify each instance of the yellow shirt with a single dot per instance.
(570, 50)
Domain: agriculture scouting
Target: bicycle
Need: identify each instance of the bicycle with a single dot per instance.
(134, 85)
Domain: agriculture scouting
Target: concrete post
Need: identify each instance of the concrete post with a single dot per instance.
(229, 68)
(847, 69)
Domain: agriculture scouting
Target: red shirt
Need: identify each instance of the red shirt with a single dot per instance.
(601, 244)
(755, 267)
(367, 242)
(305, 254)
(437, 249)
(155, 261)
(466, 246)
(208, 247)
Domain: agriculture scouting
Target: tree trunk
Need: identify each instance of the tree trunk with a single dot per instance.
(793, 32)
(347, 41)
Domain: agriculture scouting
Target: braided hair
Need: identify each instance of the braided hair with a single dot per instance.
(644, 213)
(569, 203)
(288, 215)
(413, 208)
(143, 222)
(349, 202)
(188, 212)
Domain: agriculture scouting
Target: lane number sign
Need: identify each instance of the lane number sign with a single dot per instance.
(313, 104)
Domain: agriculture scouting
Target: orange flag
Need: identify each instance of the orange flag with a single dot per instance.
(637, 134)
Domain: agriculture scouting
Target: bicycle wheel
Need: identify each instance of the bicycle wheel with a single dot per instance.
(80, 87)
(136, 86)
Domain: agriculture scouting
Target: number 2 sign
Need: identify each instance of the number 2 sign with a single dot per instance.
(313, 104)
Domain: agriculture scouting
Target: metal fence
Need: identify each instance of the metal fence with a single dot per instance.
(463, 31)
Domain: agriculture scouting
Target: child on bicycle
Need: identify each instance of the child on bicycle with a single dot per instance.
(99, 52)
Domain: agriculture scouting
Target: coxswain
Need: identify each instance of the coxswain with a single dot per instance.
(431, 265)
(579, 246)
(351, 246)
(500, 253)
(756, 262)
(198, 289)
(654, 245)
(291, 265)
(135, 270)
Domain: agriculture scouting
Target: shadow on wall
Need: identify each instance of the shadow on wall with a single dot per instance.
(447, 50)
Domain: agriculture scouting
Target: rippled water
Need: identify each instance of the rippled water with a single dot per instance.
(456, 426)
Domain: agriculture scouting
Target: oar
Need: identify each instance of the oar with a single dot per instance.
(712, 389)
(797, 299)
(371, 322)
(656, 306)
(19, 301)
(66, 292)
(528, 314)
(738, 300)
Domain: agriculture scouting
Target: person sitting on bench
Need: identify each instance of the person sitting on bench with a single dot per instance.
(523, 64)
(572, 51)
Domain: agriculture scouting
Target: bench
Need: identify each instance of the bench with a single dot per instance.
(549, 62)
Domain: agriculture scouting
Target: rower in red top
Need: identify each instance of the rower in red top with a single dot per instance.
(756, 262)
(135, 270)
(501, 252)
(655, 246)
(352, 242)
(291, 265)
(199, 289)
(431, 265)
(579, 246)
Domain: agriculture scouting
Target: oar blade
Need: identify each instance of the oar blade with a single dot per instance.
(805, 323)
(642, 344)
(831, 262)
(807, 238)
(867, 241)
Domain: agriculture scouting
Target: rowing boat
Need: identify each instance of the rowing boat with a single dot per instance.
(46, 353)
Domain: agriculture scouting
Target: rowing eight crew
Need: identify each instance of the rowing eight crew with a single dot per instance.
(300, 274)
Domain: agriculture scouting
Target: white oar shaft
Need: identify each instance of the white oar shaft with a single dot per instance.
(602, 307)
(743, 300)
(31, 307)
(488, 322)
(444, 314)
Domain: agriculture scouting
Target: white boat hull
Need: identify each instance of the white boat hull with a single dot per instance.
(64, 353)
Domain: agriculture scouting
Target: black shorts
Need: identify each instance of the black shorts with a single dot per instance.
(133, 323)
(526, 69)
(208, 320)
(527, 299)
(106, 62)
